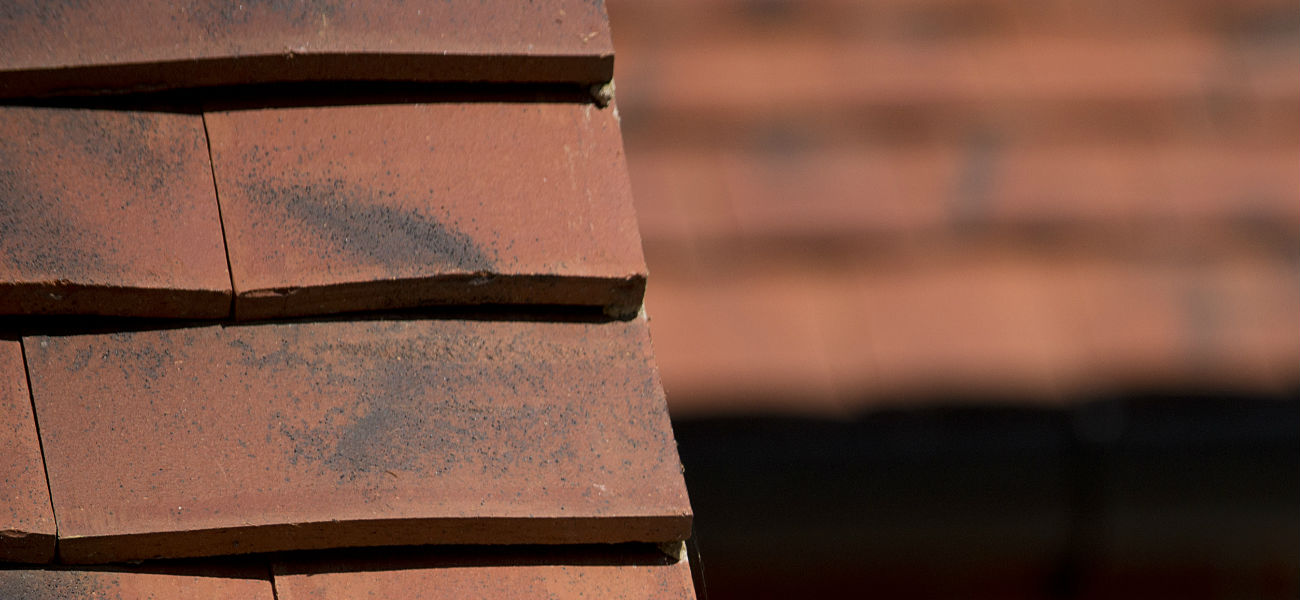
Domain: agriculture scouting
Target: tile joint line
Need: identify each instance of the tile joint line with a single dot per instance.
(216, 196)
(40, 443)
(270, 576)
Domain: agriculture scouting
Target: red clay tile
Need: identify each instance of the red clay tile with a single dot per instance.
(596, 576)
(121, 45)
(222, 440)
(136, 583)
(380, 207)
(108, 213)
(26, 519)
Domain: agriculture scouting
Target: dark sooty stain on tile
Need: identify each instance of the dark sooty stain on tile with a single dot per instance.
(362, 222)
(53, 585)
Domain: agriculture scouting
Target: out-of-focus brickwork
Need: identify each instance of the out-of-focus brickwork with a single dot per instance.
(846, 204)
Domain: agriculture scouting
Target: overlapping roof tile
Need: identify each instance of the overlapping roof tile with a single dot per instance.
(439, 281)
(373, 207)
(123, 45)
(227, 440)
(132, 583)
(564, 575)
(27, 529)
(108, 213)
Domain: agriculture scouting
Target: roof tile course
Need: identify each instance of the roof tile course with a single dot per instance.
(79, 47)
(26, 519)
(326, 176)
(375, 207)
(435, 580)
(108, 213)
(135, 583)
(191, 442)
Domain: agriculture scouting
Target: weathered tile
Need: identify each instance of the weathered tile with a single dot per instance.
(379, 207)
(130, 45)
(26, 519)
(592, 575)
(136, 583)
(108, 213)
(224, 440)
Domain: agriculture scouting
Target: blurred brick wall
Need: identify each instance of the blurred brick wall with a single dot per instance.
(848, 204)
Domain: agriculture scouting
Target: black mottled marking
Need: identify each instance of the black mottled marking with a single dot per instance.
(361, 221)
(129, 146)
(428, 403)
(32, 227)
(424, 416)
(80, 360)
(147, 362)
(39, 230)
(22, 16)
(54, 585)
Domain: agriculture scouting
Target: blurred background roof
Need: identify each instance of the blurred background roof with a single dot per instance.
(845, 203)
(976, 298)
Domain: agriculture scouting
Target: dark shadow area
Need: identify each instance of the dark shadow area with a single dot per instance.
(386, 558)
(481, 312)
(224, 568)
(17, 326)
(195, 100)
(427, 557)
(1140, 495)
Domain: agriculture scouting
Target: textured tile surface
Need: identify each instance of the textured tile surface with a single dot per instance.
(26, 520)
(108, 213)
(121, 45)
(218, 440)
(376, 207)
(135, 583)
(512, 577)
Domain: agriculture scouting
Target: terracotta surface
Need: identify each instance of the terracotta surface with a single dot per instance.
(26, 520)
(74, 47)
(108, 213)
(378, 207)
(191, 442)
(136, 583)
(558, 575)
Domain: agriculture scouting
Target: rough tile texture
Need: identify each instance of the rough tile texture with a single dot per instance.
(108, 213)
(207, 441)
(377, 207)
(568, 577)
(135, 583)
(69, 46)
(26, 520)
